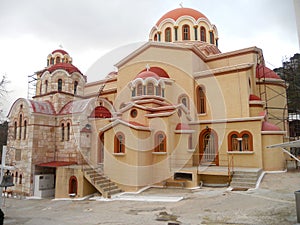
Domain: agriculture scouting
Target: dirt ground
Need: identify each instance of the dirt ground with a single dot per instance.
(272, 203)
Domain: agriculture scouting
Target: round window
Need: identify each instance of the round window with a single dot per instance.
(133, 113)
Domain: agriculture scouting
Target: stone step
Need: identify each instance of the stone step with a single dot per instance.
(110, 188)
(242, 184)
(113, 192)
(244, 179)
(106, 184)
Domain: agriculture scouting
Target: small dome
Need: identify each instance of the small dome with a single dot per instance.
(60, 51)
(266, 126)
(64, 66)
(254, 98)
(264, 72)
(182, 126)
(146, 74)
(177, 13)
(159, 71)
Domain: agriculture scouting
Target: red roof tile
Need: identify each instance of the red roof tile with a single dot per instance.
(60, 51)
(264, 72)
(64, 66)
(176, 13)
(56, 164)
(266, 126)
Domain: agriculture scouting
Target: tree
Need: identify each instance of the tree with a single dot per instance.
(290, 72)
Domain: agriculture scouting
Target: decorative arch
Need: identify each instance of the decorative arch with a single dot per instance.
(168, 34)
(73, 185)
(186, 33)
(241, 142)
(184, 99)
(201, 100)
(160, 142)
(208, 147)
(202, 33)
(119, 143)
(101, 112)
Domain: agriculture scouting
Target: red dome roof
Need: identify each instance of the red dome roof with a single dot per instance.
(176, 13)
(100, 112)
(64, 66)
(263, 71)
(146, 74)
(159, 71)
(266, 126)
(60, 51)
(182, 126)
(254, 98)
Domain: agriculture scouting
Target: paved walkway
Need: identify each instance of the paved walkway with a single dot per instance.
(273, 203)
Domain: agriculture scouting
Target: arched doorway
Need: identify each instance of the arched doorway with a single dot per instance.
(101, 148)
(208, 147)
(73, 185)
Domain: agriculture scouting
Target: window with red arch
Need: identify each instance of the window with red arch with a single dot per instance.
(119, 143)
(185, 32)
(168, 34)
(202, 33)
(160, 142)
(241, 142)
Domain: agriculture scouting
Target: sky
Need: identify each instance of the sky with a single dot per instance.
(94, 30)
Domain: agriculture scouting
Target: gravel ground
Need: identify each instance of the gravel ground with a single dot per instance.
(272, 203)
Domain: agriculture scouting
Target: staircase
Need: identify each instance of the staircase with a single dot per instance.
(103, 184)
(245, 178)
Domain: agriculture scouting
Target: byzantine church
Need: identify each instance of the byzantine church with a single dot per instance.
(178, 112)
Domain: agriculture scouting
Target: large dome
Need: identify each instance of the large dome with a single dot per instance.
(184, 24)
(177, 13)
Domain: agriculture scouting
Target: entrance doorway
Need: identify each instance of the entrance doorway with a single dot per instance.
(101, 148)
(208, 147)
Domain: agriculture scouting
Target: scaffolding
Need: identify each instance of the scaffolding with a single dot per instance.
(287, 116)
(278, 114)
(32, 81)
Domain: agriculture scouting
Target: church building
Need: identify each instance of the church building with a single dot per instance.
(178, 111)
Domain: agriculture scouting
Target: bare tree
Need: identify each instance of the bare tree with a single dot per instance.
(3, 82)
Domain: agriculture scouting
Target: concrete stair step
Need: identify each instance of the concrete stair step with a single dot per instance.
(242, 184)
(113, 192)
(244, 179)
(110, 188)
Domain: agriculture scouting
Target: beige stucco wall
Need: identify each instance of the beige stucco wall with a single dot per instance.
(63, 175)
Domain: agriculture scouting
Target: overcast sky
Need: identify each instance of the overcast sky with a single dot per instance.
(87, 30)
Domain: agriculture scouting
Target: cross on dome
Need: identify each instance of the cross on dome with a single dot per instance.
(147, 67)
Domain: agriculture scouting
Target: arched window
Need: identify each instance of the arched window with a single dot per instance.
(16, 178)
(201, 101)
(246, 141)
(233, 143)
(203, 33)
(68, 131)
(25, 129)
(46, 86)
(139, 89)
(150, 89)
(57, 60)
(75, 87)
(20, 179)
(212, 37)
(119, 143)
(15, 130)
(186, 32)
(190, 142)
(184, 100)
(52, 61)
(41, 88)
(20, 127)
(240, 141)
(62, 132)
(73, 185)
(59, 85)
(168, 35)
(133, 92)
(158, 90)
(160, 142)
(155, 37)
